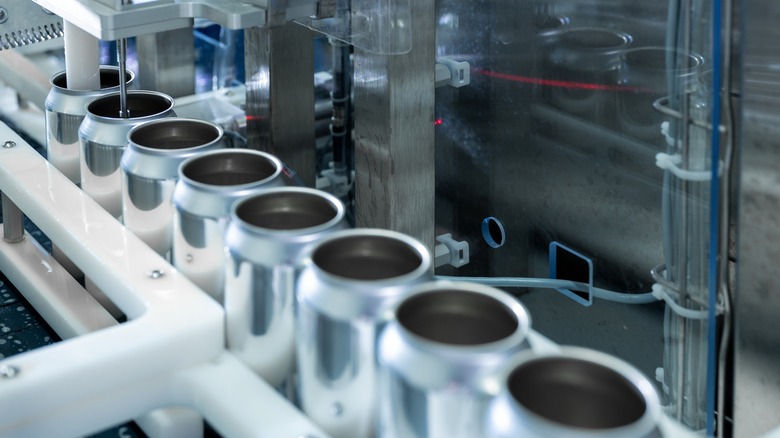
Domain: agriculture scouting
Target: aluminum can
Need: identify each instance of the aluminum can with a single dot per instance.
(150, 169)
(266, 238)
(575, 392)
(439, 354)
(347, 285)
(208, 185)
(65, 110)
(103, 139)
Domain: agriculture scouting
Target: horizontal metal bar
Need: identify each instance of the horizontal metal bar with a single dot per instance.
(106, 23)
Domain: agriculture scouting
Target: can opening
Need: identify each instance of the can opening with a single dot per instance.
(367, 257)
(230, 168)
(138, 104)
(109, 78)
(175, 134)
(576, 393)
(286, 210)
(656, 59)
(457, 317)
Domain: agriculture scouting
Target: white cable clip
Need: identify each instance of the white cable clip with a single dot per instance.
(672, 162)
(660, 292)
(451, 252)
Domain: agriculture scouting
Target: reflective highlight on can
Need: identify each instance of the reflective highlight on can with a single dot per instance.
(150, 169)
(208, 185)
(103, 139)
(439, 357)
(65, 110)
(348, 283)
(266, 238)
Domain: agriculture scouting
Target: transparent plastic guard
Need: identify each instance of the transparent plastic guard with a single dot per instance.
(378, 26)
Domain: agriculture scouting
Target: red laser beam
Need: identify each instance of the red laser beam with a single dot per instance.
(557, 83)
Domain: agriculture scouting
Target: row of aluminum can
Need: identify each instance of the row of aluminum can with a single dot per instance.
(350, 322)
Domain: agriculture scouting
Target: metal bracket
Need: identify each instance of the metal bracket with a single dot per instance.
(450, 251)
(107, 23)
(453, 73)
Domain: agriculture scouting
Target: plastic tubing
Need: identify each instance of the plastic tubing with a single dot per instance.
(552, 283)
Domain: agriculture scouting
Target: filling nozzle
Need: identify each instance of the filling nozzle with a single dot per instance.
(121, 52)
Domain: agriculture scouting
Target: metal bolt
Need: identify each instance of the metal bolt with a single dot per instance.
(8, 371)
(157, 273)
(336, 409)
(9, 144)
(3, 15)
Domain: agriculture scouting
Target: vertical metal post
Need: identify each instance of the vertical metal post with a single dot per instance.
(280, 95)
(166, 62)
(394, 134)
(13, 221)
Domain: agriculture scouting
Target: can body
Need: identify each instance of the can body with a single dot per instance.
(65, 110)
(348, 283)
(575, 392)
(438, 357)
(150, 169)
(208, 185)
(266, 238)
(103, 139)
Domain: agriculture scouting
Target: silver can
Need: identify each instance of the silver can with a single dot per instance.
(103, 139)
(266, 238)
(439, 355)
(348, 283)
(65, 110)
(209, 183)
(576, 392)
(150, 169)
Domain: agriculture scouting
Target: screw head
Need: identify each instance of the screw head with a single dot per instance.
(9, 144)
(8, 371)
(3, 15)
(157, 273)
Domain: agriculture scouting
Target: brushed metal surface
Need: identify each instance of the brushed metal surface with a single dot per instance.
(757, 300)
(280, 95)
(166, 62)
(394, 134)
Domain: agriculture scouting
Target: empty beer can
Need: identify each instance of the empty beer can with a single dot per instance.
(266, 238)
(103, 139)
(150, 169)
(208, 185)
(65, 110)
(348, 283)
(576, 392)
(439, 357)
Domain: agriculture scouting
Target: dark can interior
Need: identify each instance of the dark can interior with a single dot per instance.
(367, 257)
(138, 105)
(230, 168)
(286, 210)
(109, 78)
(457, 317)
(576, 393)
(175, 134)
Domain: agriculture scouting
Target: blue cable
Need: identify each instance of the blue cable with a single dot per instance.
(714, 215)
(554, 283)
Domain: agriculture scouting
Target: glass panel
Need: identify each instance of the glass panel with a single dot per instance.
(572, 131)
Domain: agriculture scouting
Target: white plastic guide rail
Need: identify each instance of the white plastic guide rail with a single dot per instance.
(169, 353)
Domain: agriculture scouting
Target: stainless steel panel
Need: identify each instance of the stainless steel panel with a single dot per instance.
(394, 134)
(166, 62)
(280, 95)
(757, 300)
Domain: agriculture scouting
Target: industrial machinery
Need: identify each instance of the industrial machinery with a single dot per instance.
(610, 164)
